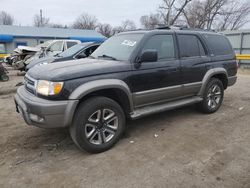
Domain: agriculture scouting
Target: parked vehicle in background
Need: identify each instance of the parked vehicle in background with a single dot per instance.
(129, 76)
(23, 55)
(78, 51)
(3, 73)
(17, 58)
(2, 52)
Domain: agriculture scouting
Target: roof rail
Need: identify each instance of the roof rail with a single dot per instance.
(179, 27)
(163, 27)
(182, 27)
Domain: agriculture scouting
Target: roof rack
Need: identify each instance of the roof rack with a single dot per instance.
(181, 27)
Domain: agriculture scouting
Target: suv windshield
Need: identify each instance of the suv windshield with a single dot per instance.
(118, 47)
(73, 50)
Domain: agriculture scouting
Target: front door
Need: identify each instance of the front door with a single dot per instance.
(154, 82)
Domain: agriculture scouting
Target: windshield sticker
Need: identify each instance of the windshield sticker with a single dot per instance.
(129, 43)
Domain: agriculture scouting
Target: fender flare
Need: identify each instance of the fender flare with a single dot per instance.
(96, 85)
(210, 73)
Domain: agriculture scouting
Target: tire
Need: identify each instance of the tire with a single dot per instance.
(212, 97)
(5, 78)
(98, 124)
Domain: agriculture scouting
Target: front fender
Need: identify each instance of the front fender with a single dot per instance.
(96, 85)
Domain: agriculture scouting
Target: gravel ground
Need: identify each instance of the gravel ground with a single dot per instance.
(179, 148)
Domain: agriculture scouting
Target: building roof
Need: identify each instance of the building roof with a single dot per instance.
(44, 32)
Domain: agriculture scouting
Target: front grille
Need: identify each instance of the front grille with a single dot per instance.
(30, 84)
(29, 81)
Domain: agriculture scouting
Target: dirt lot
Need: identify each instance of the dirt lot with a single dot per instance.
(180, 148)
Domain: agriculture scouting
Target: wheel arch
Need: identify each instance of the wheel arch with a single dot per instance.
(219, 73)
(111, 88)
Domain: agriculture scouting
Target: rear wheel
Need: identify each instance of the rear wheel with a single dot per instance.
(98, 124)
(213, 96)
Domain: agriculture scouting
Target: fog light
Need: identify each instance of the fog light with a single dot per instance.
(36, 118)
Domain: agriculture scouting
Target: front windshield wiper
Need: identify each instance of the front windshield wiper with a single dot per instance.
(107, 56)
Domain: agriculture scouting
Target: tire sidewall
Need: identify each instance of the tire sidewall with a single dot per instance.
(84, 112)
(213, 81)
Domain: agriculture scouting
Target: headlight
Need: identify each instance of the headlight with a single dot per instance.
(47, 62)
(47, 88)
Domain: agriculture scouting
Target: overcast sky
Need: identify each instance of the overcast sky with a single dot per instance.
(65, 11)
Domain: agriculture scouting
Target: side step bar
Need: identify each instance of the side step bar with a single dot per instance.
(147, 110)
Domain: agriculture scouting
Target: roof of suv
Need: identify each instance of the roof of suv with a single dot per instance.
(156, 31)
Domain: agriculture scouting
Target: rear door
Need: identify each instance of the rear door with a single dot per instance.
(193, 58)
(154, 82)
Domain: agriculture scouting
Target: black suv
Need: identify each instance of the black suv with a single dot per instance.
(130, 75)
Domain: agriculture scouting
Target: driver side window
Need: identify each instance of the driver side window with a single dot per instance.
(87, 52)
(163, 44)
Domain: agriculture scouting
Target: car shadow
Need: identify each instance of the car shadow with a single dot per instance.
(59, 140)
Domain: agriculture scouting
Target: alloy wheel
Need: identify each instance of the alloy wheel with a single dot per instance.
(101, 126)
(214, 96)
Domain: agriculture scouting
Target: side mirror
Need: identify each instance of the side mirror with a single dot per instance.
(149, 56)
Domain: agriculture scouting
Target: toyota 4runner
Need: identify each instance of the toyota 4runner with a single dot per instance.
(130, 75)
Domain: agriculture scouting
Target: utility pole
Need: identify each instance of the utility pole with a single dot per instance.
(41, 18)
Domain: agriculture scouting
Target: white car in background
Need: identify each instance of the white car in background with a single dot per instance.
(23, 55)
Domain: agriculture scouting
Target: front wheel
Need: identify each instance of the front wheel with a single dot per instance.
(98, 124)
(213, 96)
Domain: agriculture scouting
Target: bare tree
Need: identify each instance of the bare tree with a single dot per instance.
(40, 21)
(105, 29)
(151, 21)
(85, 21)
(128, 25)
(195, 14)
(57, 25)
(234, 16)
(5, 18)
(171, 10)
(217, 14)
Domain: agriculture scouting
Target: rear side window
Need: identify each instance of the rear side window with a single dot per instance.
(70, 44)
(163, 44)
(57, 46)
(190, 46)
(219, 44)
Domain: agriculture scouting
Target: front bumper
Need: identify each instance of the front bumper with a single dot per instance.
(44, 113)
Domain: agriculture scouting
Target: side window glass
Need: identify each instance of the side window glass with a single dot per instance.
(70, 44)
(90, 50)
(190, 46)
(57, 46)
(87, 52)
(163, 44)
(219, 44)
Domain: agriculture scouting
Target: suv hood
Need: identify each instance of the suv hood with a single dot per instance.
(77, 69)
